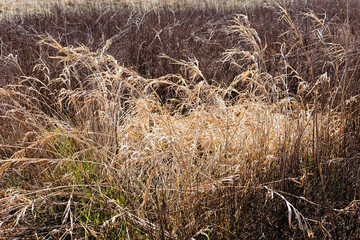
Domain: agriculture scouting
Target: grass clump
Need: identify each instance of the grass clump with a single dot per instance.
(234, 130)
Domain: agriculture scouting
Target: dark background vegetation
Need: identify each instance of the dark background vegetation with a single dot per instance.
(141, 36)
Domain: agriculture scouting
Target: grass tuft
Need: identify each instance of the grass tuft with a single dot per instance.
(178, 123)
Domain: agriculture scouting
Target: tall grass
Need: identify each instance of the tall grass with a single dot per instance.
(261, 141)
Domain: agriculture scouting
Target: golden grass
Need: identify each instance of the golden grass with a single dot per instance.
(214, 144)
(100, 135)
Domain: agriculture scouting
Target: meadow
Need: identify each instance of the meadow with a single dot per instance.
(180, 120)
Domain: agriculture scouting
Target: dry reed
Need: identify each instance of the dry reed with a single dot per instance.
(99, 151)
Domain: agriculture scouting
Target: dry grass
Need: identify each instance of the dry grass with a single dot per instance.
(13, 7)
(96, 152)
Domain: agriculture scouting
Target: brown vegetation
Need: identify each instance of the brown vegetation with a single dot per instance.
(178, 123)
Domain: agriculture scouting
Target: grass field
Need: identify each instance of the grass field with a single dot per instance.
(180, 120)
(13, 7)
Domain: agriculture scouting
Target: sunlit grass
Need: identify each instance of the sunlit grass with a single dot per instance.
(101, 151)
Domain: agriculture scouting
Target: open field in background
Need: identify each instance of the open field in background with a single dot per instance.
(120, 121)
(12, 7)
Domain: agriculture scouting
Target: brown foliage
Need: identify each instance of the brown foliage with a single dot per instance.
(181, 123)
